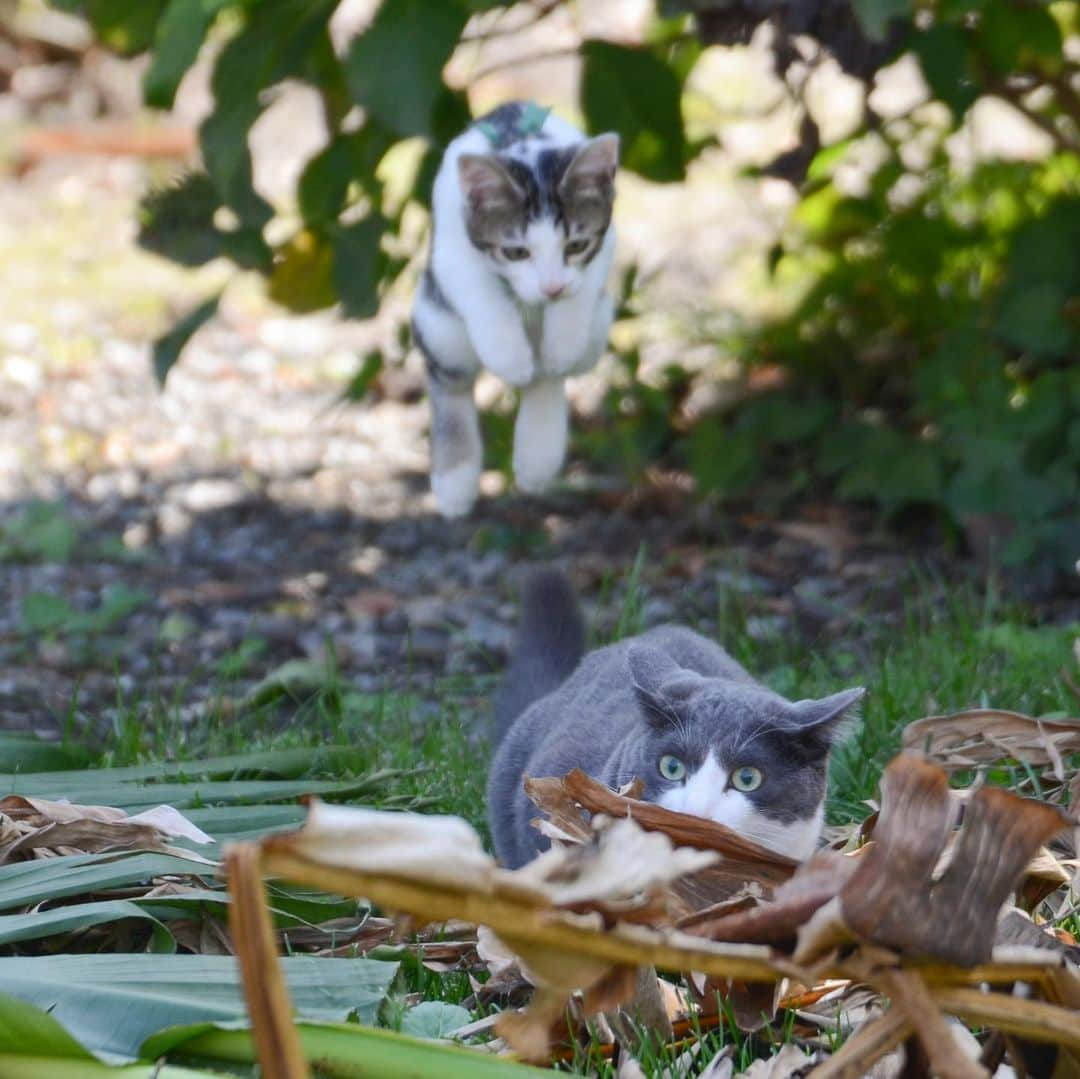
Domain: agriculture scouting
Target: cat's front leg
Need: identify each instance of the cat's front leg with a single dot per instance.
(498, 335)
(504, 350)
(540, 434)
(575, 332)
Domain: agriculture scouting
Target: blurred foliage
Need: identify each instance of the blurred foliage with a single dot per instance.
(931, 360)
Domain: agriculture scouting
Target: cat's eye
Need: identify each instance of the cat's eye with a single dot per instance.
(746, 778)
(575, 247)
(515, 254)
(671, 768)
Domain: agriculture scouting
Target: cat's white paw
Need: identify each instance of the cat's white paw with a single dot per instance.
(536, 468)
(455, 490)
(510, 357)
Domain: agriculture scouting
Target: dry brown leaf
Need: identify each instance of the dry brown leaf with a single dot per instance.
(683, 829)
(789, 1061)
(622, 868)
(793, 903)
(40, 828)
(743, 865)
(984, 736)
(892, 897)
(438, 850)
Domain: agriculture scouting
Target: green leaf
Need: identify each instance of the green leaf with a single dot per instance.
(113, 1003)
(295, 678)
(1010, 32)
(434, 1019)
(177, 220)
(21, 753)
(177, 40)
(944, 54)
(23, 884)
(633, 92)
(722, 461)
(1031, 317)
(39, 924)
(325, 182)
(42, 531)
(168, 347)
(394, 68)
(363, 380)
(302, 277)
(875, 15)
(33, 1045)
(351, 1050)
(357, 264)
(46, 613)
(125, 26)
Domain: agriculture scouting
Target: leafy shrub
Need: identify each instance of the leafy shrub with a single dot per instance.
(931, 359)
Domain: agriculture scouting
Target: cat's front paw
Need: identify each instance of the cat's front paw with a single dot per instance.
(455, 490)
(510, 357)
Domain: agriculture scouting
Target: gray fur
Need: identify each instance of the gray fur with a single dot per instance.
(669, 690)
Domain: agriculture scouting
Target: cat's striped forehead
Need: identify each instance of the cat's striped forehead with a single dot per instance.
(538, 173)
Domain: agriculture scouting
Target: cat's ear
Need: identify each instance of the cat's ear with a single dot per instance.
(660, 684)
(590, 176)
(486, 183)
(825, 722)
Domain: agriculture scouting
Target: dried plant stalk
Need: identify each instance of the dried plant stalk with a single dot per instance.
(909, 994)
(277, 1042)
(1032, 1019)
(868, 1044)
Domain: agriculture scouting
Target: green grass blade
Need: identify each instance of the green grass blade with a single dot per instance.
(348, 1051)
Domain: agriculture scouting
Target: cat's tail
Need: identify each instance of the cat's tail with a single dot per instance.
(550, 642)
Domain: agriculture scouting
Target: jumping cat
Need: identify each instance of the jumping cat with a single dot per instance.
(516, 284)
(669, 706)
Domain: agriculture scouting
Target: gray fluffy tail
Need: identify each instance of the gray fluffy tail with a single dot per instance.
(550, 643)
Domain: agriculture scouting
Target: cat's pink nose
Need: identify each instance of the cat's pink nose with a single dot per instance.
(553, 292)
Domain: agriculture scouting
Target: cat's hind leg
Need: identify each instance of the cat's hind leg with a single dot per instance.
(457, 453)
(540, 434)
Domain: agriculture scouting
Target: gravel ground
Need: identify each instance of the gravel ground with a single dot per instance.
(257, 519)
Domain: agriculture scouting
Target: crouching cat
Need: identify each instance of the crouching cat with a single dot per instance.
(516, 284)
(669, 706)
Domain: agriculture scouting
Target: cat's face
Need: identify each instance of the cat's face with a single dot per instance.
(540, 223)
(736, 752)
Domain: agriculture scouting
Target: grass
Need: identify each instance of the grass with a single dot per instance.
(938, 654)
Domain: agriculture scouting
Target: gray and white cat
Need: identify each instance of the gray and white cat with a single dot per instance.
(669, 706)
(516, 284)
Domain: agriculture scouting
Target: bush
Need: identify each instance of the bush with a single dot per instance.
(931, 358)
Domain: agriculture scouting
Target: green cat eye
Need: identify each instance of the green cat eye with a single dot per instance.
(747, 778)
(671, 768)
(515, 254)
(576, 247)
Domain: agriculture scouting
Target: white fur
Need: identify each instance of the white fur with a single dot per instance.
(540, 434)
(706, 794)
(488, 327)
